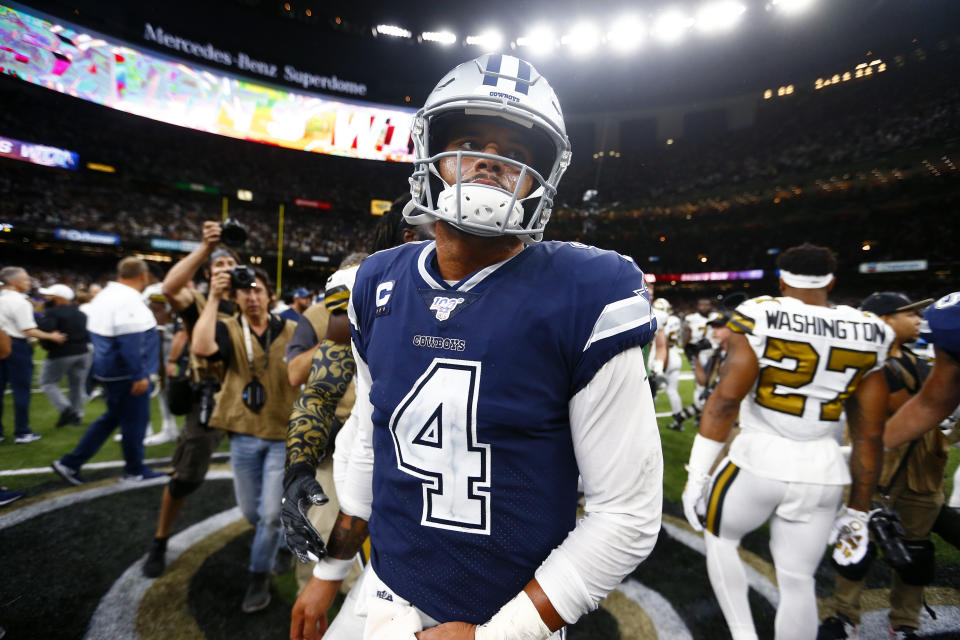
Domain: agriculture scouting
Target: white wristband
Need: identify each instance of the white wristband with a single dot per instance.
(332, 568)
(703, 454)
(516, 620)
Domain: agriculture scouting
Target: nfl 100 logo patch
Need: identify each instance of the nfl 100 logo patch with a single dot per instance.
(444, 306)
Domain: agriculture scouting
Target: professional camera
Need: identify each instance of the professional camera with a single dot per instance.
(206, 389)
(888, 533)
(233, 234)
(242, 277)
(693, 349)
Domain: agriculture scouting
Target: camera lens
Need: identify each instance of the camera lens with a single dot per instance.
(233, 234)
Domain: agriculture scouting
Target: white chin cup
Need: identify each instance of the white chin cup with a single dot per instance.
(483, 209)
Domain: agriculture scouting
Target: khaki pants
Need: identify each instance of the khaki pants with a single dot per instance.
(323, 518)
(918, 512)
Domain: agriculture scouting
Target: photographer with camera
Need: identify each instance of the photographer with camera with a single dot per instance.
(253, 407)
(910, 491)
(197, 440)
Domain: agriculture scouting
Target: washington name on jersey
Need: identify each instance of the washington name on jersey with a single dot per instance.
(475, 480)
(811, 359)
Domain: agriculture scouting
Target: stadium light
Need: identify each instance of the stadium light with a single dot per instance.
(671, 26)
(392, 30)
(626, 34)
(538, 40)
(719, 16)
(440, 37)
(488, 40)
(792, 7)
(582, 39)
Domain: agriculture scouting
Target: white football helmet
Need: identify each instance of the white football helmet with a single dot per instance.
(663, 306)
(497, 86)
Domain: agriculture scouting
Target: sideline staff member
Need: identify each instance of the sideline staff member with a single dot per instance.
(253, 407)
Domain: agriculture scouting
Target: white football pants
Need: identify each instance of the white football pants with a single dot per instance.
(362, 605)
(800, 517)
(672, 375)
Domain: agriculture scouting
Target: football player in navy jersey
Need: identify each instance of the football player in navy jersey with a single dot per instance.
(940, 394)
(492, 371)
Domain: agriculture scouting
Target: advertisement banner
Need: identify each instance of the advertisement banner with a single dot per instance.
(893, 266)
(312, 204)
(39, 154)
(90, 237)
(76, 61)
(710, 276)
(174, 245)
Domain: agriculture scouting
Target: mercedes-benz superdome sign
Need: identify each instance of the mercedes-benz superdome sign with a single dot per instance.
(76, 61)
(244, 62)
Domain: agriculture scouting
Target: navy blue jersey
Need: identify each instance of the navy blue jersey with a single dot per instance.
(475, 480)
(943, 316)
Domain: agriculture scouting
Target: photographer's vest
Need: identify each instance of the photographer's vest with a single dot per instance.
(928, 453)
(201, 367)
(230, 413)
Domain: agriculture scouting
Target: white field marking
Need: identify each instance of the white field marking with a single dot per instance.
(112, 464)
(23, 514)
(116, 615)
(662, 614)
(757, 581)
(876, 623)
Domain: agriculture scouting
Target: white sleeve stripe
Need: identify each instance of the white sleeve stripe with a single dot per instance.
(352, 315)
(620, 316)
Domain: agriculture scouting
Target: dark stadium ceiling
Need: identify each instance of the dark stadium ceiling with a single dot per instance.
(767, 48)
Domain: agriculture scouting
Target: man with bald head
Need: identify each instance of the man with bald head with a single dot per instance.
(125, 352)
(16, 320)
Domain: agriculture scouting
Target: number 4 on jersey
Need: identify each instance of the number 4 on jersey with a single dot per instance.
(434, 432)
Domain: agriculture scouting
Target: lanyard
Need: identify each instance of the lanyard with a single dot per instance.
(249, 343)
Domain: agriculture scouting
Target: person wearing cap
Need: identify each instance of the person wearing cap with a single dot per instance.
(794, 364)
(71, 358)
(302, 299)
(911, 483)
(197, 441)
(17, 321)
(705, 355)
(940, 394)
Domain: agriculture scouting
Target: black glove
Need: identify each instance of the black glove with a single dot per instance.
(656, 383)
(301, 491)
(693, 349)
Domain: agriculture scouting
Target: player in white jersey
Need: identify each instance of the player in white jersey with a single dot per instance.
(794, 366)
(696, 335)
(665, 359)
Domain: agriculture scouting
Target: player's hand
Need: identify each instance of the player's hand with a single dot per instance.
(310, 609)
(449, 631)
(694, 499)
(301, 491)
(171, 370)
(850, 536)
(211, 234)
(58, 336)
(656, 367)
(219, 284)
(139, 387)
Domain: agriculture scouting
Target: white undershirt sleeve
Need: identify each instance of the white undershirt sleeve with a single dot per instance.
(617, 446)
(356, 494)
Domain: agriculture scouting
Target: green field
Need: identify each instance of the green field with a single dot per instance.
(56, 442)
